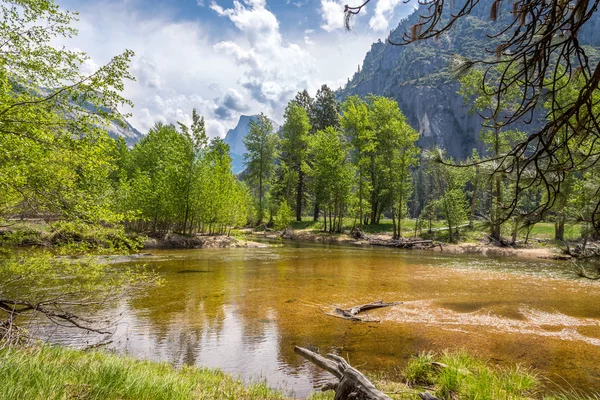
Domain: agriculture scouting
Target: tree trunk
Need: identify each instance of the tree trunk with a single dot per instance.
(299, 195)
(559, 227)
(260, 198)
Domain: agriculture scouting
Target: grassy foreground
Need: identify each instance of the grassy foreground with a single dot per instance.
(59, 373)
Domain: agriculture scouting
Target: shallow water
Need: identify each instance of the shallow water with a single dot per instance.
(243, 310)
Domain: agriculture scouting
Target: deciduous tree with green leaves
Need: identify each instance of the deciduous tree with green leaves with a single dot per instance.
(294, 145)
(261, 145)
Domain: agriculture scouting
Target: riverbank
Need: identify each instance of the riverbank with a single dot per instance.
(36, 233)
(176, 241)
(548, 251)
(44, 372)
(83, 238)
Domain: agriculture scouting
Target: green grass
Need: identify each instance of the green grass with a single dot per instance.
(46, 373)
(542, 230)
(465, 377)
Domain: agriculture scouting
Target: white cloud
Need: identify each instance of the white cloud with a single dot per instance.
(384, 11)
(180, 66)
(274, 69)
(307, 40)
(332, 14)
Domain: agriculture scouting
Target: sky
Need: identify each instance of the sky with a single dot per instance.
(226, 58)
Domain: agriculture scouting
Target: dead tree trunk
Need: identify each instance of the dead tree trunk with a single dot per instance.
(351, 383)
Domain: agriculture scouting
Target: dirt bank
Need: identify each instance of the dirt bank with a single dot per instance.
(175, 241)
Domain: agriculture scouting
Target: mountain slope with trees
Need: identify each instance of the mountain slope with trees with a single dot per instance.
(418, 76)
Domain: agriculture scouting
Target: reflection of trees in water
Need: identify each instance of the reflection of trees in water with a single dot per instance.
(250, 309)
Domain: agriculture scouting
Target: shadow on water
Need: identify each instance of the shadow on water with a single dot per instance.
(243, 310)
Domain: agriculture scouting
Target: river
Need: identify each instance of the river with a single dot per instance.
(243, 310)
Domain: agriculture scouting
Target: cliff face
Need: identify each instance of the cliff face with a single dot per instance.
(417, 76)
(235, 139)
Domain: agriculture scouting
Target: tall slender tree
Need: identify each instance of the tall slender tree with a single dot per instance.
(261, 143)
(294, 149)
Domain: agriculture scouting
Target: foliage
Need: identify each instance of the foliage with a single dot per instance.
(260, 144)
(54, 154)
(284, 216)
(294, 147)
(67, 291)
(332, 174)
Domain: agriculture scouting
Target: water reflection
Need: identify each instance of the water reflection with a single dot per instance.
(243, 310)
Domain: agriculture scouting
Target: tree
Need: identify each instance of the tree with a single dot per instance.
(294, 145)
(539, 41)
(450, 183)
(498, 140)
(325, 110)
(196, 147)
(56, 159)
(396, 155)
(304, 100)
(261, 143)
(355, 122)
(283, 218)
(332, 174)
(53, 149)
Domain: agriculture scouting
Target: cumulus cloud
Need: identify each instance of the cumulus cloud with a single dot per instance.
(274, 69)
(146, 72)
(231, 104)
(332, 12)
(384, 11)
(181, 64)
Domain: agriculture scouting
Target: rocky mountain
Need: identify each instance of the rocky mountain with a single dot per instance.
(418, 77)
(127, 132)
(117, 129)
(235, 139)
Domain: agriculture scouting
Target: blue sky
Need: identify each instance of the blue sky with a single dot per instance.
(227, 57)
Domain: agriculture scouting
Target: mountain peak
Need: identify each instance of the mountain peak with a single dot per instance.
(235, 139)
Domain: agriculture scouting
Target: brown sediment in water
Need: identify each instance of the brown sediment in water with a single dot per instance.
(247, 314)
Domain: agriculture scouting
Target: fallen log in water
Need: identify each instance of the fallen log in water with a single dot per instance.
(352, 312)
(351, 383)
(404, 244)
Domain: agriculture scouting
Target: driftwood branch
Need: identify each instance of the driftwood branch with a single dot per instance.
(351, 383)
(352, 312)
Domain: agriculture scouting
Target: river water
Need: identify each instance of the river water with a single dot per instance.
(243, 310)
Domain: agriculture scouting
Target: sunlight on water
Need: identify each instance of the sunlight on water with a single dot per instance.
(243, 310)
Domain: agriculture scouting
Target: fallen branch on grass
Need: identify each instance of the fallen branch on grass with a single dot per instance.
(351, 383)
